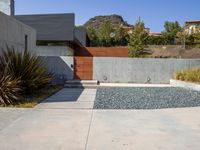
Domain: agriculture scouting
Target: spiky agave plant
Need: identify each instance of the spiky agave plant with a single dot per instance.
(28, 68)
(9, 89)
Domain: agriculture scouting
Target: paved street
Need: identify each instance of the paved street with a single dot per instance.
(66, 121)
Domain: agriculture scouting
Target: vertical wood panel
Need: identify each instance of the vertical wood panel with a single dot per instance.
(83, 68)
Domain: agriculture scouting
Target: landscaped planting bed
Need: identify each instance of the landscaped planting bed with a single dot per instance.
(146, 98)
(31, 100)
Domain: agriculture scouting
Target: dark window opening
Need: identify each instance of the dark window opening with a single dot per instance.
(55, 43)
(26, 42)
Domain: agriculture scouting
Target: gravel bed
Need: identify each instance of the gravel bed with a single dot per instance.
(145, 98)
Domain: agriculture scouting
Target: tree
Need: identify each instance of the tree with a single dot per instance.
(121, 35)
(108, 35)
(156, 40)
(104, 34)
(189, 38)
(184, 38)
(196, 37)
(137, 39)
(171, 30)
(92, 35)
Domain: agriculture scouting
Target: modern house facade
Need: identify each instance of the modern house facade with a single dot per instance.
(15, 34)
(57, 40)
(56, 36)
(56, 30)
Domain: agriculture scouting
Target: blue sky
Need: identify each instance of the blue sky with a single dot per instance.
(153, 12)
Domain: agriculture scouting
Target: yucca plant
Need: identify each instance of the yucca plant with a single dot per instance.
(27, 67)
(9, 88)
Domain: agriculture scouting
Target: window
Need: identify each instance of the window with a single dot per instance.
(26, 42)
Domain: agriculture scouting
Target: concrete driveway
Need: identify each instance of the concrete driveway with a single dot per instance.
(66, 121)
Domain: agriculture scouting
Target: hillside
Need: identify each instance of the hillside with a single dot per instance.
(96, 22)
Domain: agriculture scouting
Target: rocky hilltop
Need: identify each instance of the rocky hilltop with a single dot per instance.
(96, 22)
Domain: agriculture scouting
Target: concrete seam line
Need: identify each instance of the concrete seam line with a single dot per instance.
(88, 134)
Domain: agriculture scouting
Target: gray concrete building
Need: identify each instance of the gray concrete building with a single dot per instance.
(15, 34)
(82, 36)
(56, 29)
(7, 7)
(55, 35)
(51, 27)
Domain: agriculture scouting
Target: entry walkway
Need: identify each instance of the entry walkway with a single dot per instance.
(70, 98)
(66, 121)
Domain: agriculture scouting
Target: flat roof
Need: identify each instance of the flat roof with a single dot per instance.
(193, 21)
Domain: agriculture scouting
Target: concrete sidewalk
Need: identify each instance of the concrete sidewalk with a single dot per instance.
(63, 122)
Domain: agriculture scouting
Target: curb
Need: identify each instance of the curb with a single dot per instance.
(183, 84)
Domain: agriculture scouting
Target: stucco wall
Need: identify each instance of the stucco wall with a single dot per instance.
(61, 67)
(12, 33)
(53, 51)
(130, 70)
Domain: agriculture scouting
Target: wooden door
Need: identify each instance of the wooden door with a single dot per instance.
(83, 68)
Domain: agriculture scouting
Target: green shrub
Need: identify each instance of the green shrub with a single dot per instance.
(9, 89)
(192, 75)
(138, 39)
(26, 67)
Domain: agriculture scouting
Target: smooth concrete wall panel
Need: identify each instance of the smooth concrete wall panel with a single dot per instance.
(120, 70)
(14, 30)
(12, 33)
(81, 34)
(3, 26)
(53, 51)
(194, 64)
(61, 67)
(136, 70)
(26, 30)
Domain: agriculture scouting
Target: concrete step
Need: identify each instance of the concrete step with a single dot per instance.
(81, 84)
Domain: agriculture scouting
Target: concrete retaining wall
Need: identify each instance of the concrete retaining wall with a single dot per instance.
(61, 67)
(13, 32)
(53, 51)
(129, 70)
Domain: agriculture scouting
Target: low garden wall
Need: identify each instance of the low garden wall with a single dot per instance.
(139, 70)
(60, 66)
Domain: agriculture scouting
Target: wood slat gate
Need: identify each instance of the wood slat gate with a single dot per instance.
(83, 68)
